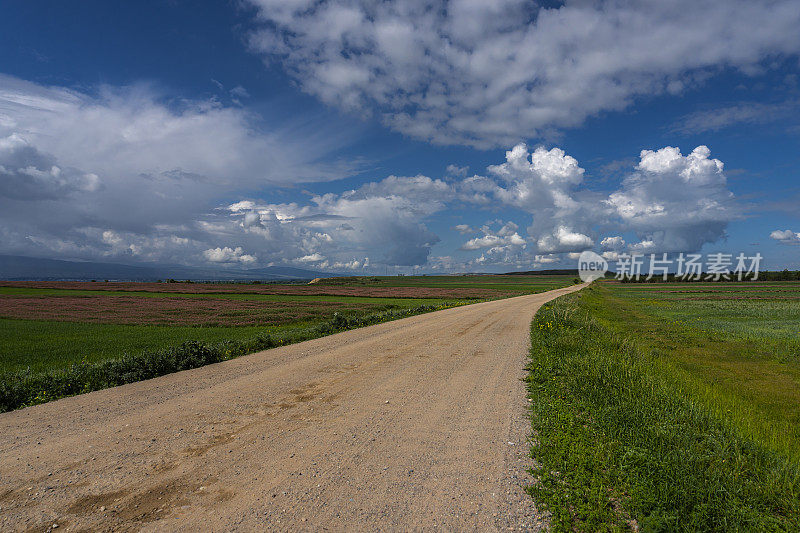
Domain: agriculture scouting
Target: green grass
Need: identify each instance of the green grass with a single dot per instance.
(679, 414)
(46, 345)
(740, 357)
(25, 388)
(42, 345)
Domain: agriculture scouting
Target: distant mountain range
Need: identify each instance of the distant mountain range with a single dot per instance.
(14, 267)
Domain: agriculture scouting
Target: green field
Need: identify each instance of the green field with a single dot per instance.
(371, 300)
(500, 282)
(51, 332)
(669, 407)
(47, 345)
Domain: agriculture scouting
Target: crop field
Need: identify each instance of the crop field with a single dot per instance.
(49, 327)
(669, 406)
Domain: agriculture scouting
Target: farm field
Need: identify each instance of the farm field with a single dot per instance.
(671, 405)
(49, 326)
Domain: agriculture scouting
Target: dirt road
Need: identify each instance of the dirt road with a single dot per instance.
(414, 424)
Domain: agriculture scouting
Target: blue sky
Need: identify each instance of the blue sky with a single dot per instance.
(412, 137)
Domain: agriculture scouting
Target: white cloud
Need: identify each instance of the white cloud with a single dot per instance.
(643, 246)
(136, 132)
(74, 165)
(675, 202)
(542, 179)
(382, 219)
(785, 236)
(741, 113)
(613, 243)
(120, 245)
(311, 258)
(239, 92)
(27, 174)
(546, 259)
(123, 175)
(565, 240)
(547, 185)
(488, 241)
(228, 255)
(355, 264)
(671, 202)
(492, 73)
(457, 171)
(506, 236)
(668, 201)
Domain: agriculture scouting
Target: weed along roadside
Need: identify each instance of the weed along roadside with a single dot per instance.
(664, 412)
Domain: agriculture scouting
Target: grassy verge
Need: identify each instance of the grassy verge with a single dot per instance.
(25, 388)
(629, 433)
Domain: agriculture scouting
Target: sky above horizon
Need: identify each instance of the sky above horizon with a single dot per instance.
(365, 136)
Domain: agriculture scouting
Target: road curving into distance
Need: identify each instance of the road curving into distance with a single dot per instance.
(418, 423)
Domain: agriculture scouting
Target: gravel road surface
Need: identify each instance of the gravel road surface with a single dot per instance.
(414, 424)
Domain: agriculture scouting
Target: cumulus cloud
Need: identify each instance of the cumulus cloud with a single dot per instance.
(382, 219)
(613, 243)
(506, 236)
(491, 73)
(542, 179)
(565, 240)
(311, 258)
(668, 201)
(547, 184)
(785, 236)
(121, 174)
(354, 264)
(546, 259)
(675, 202)
(228, 255)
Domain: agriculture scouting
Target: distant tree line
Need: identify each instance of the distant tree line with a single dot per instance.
(778, 275)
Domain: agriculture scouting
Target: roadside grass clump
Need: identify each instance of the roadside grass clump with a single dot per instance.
(25, 388)
(624, 441)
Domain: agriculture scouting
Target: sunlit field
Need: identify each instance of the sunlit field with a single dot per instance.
(676, 406)
(60, 328)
